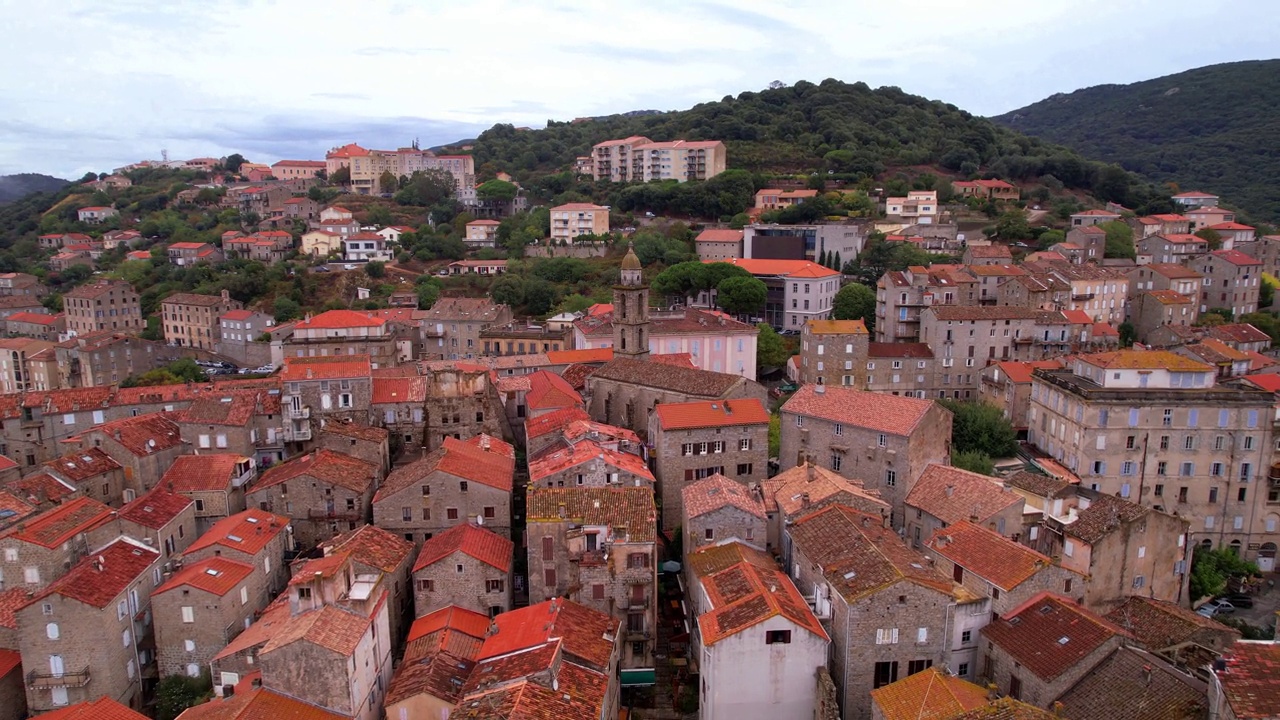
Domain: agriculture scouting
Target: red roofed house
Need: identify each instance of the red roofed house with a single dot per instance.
(235, 422)
(40, 550)
(191, 320)
(214, 481)
(718, 244)
(365, 246)
(985, 189)
(1195, 199)
(462, 481)
(759, 645)
(1007, 385)
(884, 440)
(290, 169)
(256, 538)
(945, 495)
(482, 234)
(368, 550)
(934, 693)
(145, 445)
(323, 493)
(1234, 233)
(716, 509)
(438, 659)
(467, 566)
(368, 443)
(345, 333)
(694, 440)
(163, 520)
(805, 489)
(38, 325)
(332, 387)
(83, 636)
(583, 462)
(104, 708)
(197, 610)
(1232, 280)
(250, 703)
(1244, 685)
(1173, 248)
(94, 473)
(95, 215)
(1039, 650)
(186, 254)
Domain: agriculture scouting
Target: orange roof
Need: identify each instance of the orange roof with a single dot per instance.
(1230, 226)
(987, 554)
(494, 466)
(548, 390)
(36, 318)
(1169, 297)
(399, 390)
(1265, 381)
(577, 206)
(237, 315)
(484, 545)
(1145, 360)
(581, 630)
(104, 708)
(785, 268)
(618, 506)
(325, 465)
(201, 473)
(717, 491)
(875, 411)
(51, 529)
(568, 357)
(340, 319)
(1169, 218)
(1235, 257)
(9, 661)
(255, 704)
(248, 531)
(557, 460)
(929, 695)
(330, 367)
(719, 235)
(367, 545)
(155, 509)
(747, 593)
(951, 494)
(1049, 634)
(451, 617)
(143, 435)
(1020, 372)
(553, 421)
(837, 327)
(331, 627)
(11, 601)
(711, 413)
(215, 575)
(104, 574)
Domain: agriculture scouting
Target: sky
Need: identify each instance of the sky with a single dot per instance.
(87, 85)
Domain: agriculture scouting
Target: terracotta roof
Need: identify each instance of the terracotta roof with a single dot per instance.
(248, 531)
(1105, 514)
(438, 674)
(859, 556)
(9, 661)
(1173, 271)
(1230, 226)
(452, 629)
(35, 318)
(367, 545)
(783, 268)
(155, 509)
(387, 390)
(325, 465)
(809, 485)
(989, 251)
(580, 695)
(928, 695)
(1006, 708)
(711, 414)
(951, 494)
(104, 574)
(192, 298)
(1251, 679)
(258, 704)
(262, 629)
(11, 601)
(899, 350)
(1235, 257)
(1216, 352)
(216, 575)
(493, 467)
(1136, 685)
(52, 528)
(580, 629)
(1049, 634)
(143, 435)
(1020, 372)
(559, 459)
(33, 486)
(698, 383)
(104, 708)
(1265, 381)
(719, 235)
(987, 554)
(83, 464)
(68, 400)
(837, 327)
(682, 360)
(588, 355)
(366, 433)
(1239, 332)
(554, 421)
(717, 491)
(1168, 297)
(857, 408)
(98, 288)
(1159, 625)
(1169, 218)
(631, 508)
(201, 473)
(548, 390)
(746, 592)
(577, 206)
(484, 545)
(1144, 360)
(1042, 485)
(330, 627)
(331, 367)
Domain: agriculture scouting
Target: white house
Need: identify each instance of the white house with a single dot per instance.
(365, 246)
(392, 233)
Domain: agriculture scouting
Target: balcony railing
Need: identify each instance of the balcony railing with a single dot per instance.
(297, 413)
(296, 435)
(79, 678)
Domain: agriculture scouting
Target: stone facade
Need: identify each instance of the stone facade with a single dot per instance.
(476, 575)
(255, 538)
(196, 613)
(191, 320)
(332, 494)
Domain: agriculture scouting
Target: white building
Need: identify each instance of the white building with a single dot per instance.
(365, 246)
(919, 207)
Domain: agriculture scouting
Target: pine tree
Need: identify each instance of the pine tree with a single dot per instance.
(837, 265)
(822, 258)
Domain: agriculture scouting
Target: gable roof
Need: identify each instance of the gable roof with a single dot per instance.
(215, 575)
(711, 414)
(1006, 708)
(325, 465)
(330, 627)
(559, 459)
(1050, 634)
(341, 319)
(987, 554)
(1251, 679)
(554, 421)
(686, 381)
(143, 435)
(104, 574)
(104, 708)
(1104, 514)
(201, 473)
(332, 367)
(783, 268)
(1239, 332)
(630, 508)
(548, 390)
(891, 414)
(951, 494)
(928, 695)
(484, 545)
(368, 545)
(717, 491)
(493, 466)
(1235, 257)
(258, 704)
(399, 390)
(586, 635)
(1160, 625)
(810, 485)
(1136, 685)
(156, 509)
(83, 464)
(248, 531)
(58, 525)
(749, 592)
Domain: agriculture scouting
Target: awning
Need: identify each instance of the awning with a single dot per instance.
(671, 566)
(639, 677)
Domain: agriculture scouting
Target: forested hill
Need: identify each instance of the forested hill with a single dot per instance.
(1215, 129)
(13, 187)
(845, 128)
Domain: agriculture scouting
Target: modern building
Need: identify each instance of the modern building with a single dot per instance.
(639, 159)
(572, 220)
(798, 290)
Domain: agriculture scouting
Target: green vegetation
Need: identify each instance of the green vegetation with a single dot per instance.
(13, 187)
(974, 461)
(175, 373)
(980, 434)
(855, 301)
(742, 296)
(1211, 129)
(1211, 569)
(1119, 242)
(775, 434)
(771, 351)
(179, 692)
(1267, 323)
(879, 256)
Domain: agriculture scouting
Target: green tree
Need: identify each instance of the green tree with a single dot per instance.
(980, 427)
(428, 292)
(775, 435)
(741, 296)
(497, 190)
(285, 309)
(388, 182)
(1267, 323)
(855, 301)
(1128, 334)
(1013, 225)
(233, 162)
(379, 214)
(739, 221)
(823, 259)
(1266, 292)
(1211, 569)
(974, 461)
(341, 176)
(375, 269)
(508, 290)
(1119, 243)
(176, 693)
(540, 296)
(771, 351)
(427, 188)
(1049, 238)
(1211, 236)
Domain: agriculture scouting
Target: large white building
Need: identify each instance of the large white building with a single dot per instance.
(366, 167)
(799, 290)
(639, 159)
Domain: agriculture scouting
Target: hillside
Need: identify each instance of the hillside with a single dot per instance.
(13, 187)
(1215, 129)
(844, 128)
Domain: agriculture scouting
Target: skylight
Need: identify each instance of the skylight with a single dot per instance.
(235, 538)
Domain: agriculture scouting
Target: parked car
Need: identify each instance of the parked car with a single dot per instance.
(322, 268)
(1208, 609)
(348, 266)
(1216, 607)
(1237, 600)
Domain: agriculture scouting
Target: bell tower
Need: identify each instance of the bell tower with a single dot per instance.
(631, 311)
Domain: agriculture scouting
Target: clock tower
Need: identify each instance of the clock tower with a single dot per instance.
(631, 311)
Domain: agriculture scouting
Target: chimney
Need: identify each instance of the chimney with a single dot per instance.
(804, 499)
(951, 490)
(226, 296)
(808, 466)
(1057, 709)
(866, 522)
(1146, 674)
(309, 373)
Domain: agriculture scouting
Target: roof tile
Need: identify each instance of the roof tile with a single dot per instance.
(483, 545)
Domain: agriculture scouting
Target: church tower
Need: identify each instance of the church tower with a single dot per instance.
(631, 311)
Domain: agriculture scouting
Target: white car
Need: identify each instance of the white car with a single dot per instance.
(348, 266)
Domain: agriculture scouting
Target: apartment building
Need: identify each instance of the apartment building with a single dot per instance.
(188, 254)
(368, 550)
(1152, 310)
(255, 538)
(901, 295)
(103, 305)
(467, 567)
(1007, 385)
(334, 387)
(291, 169)
(191, 320)
(639, 159)
(596, 546)
(798, 290)
(1087, 218)
(1172, 248)
(41, 549)
(219, 589)
(919, 207)
(1099, 292)
(215, 482)
(1156, 428)
(482, 234)
(1232, 280)
(322, 493)
(451, 328)
(575, 219)
(367, 166)
(623, 390)
(833, 349)
(344, 332)
(968, 338)
(884, 440)
(583, 462)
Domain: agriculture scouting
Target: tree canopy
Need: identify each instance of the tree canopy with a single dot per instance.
(855, 301)
(980, 427)
(740, 295)
(771, 351)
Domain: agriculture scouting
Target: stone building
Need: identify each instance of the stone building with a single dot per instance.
(1007, 385)
(197, 611)
(884, 440)
(694, 440)
(451, 328)
(946, 495)
(928, 694)
(89, 633)
(584, 462)
(833, 349)
(214, 482)
(191, 320)
(244, 422)
(103, 305)
(438, 659)
(366, 443)
(715, 509)
(596, 546)
(42, 548)
(461, 482)
(456, 402)
(398, 404)
(902, 295)
(624, 390)
(343, 333)
(1232, 280)
(1154, 309)
(161, 519)
(465, 566)
(255, 538)
(145, 445)
(93, 472)
(805, 489)
(332, 387)
(322, 493)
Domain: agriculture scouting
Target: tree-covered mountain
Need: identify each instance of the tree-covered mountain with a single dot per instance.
(1215, 129)
(844, 128)
(13, 187)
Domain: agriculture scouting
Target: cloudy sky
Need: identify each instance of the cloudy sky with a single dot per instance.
(91, 85)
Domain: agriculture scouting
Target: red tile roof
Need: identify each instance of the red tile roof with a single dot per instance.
(1239, 333)
(1050, 635)
(262, 630)
(43, 484)
(494, 467)
(237, 315)
(1105, 514)
(367, 545)
(1265, 381)
(1251, 679)
(711, 414)
(331, 627)
(837, 327)
(719, 235)
(201, 473)
(682, 360)
(748, 592)
(36, 318)
(325, 368)
(784, 268)
(54, 527)
(686, 381)
(341, 320)
(717, 491)
(257, 704)
(104, 708)
(1230, 226)
(589, 355)
(554, 421)
(215, 575)
(1160, 625)
(808, 485)
(324, 465)
(1020, 372)
(559, 459)
(248, 531)
(388, 390)
(10, 601)
(875, 411)
(548, 390)
(929, 695)
(104, 574)
(156, 509)
(987, 554)
(83, 464)
(9, 661)
(364, 433)
(1135, 685)
(951, 494)
(143, 435)
(1235, 257)
(484, 545)
(580, 629)
(630, 508)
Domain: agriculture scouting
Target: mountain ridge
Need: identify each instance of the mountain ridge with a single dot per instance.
(15, 187)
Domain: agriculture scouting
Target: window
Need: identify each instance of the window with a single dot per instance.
(637, 560)
(189, 645)
(1167, 419)
(1159, 491)
(963, 669)
(922, 636)
(427, 585)
(744, 444)
(838, 429)
(1015, 687)
(917, 666)
(1164, 442)
(886, 673)
(406, 514)
(890, 478)
(1248, 442)
(597, 592)
(1069, 548)
(744, 468)
(1189, 443)
(244, 596)
(774, 637)
(458, 568)
(462, 486)
(836, 461)
(344, 400)
(1139, 581)
(188, 614)
(451, 513)
(31, 575)
(887, 636)
(549, 577)
(1213, 495)
(51, 630)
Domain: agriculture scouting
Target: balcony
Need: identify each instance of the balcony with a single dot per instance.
(638, 635)
(296, 434)
(47, 681)
(1082, 297)
(297, 413)
(633, 604)
(589, 557)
